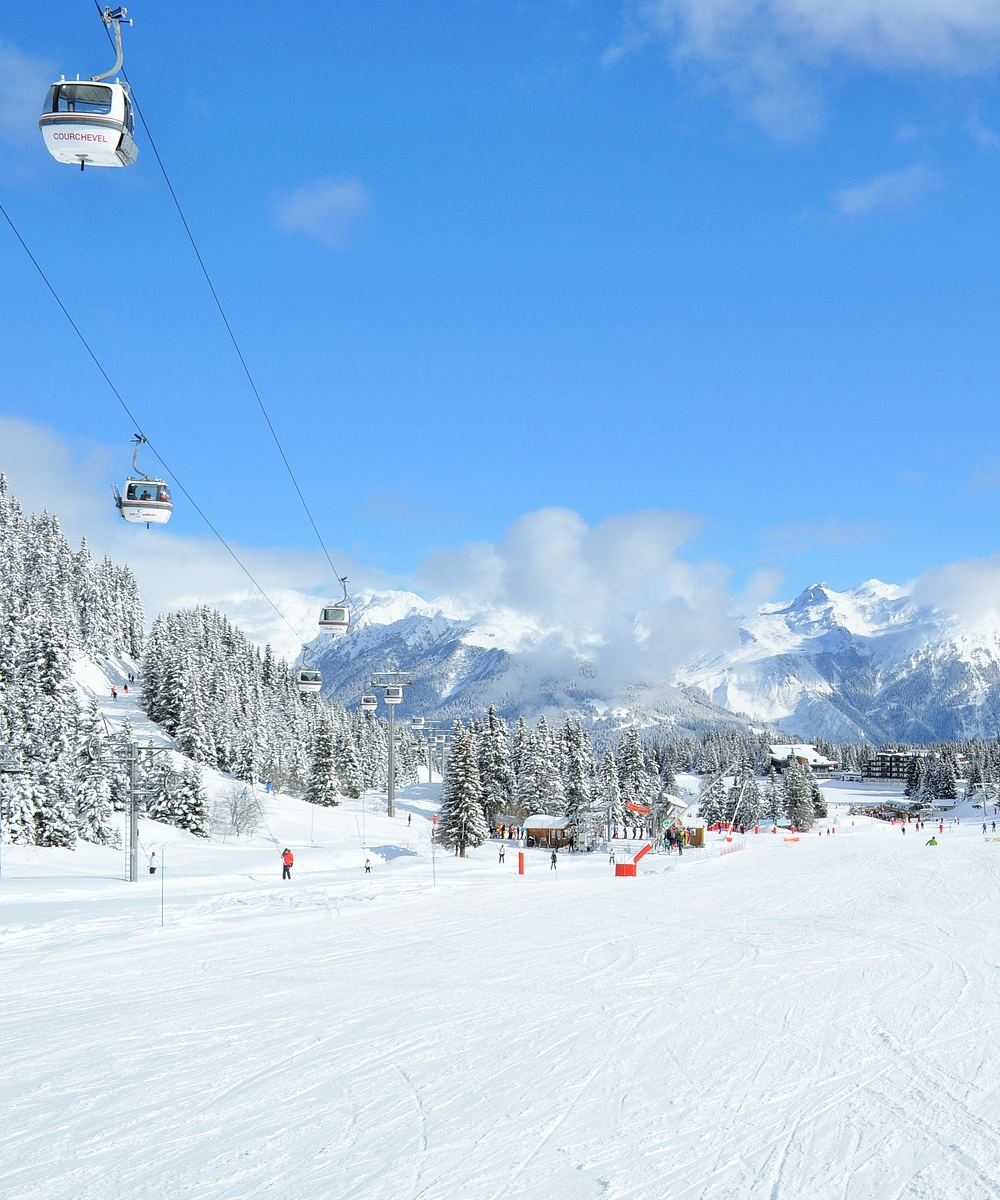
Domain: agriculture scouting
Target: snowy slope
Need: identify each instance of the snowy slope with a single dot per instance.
(794, 1020)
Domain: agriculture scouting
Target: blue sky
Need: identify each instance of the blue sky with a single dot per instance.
(723, 273)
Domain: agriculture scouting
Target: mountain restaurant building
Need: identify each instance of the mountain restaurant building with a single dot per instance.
(541, 830)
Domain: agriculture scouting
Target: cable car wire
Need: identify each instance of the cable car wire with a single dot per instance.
(229, 329)
(121, 400)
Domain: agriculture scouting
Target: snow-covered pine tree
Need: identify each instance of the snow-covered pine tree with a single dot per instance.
(324, 784)
(193, 814)
(92, 798)
(637, 786)
(712, 799)
(347, 763)
(461, 823)
(609, 787)
(578, 767)
(798, 798)
(743, 802)
(773, 800)
(496, 771)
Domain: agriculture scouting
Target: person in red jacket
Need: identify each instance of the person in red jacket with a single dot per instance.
(287, 858)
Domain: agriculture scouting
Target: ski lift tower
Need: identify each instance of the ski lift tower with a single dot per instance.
(392, 685)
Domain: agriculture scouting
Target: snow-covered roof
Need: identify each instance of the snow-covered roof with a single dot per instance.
(543, 822)
(804, 750)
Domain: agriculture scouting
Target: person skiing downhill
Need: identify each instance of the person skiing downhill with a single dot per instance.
(552, 867)
(287, 858)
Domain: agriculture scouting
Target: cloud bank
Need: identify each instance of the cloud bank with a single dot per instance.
(617, 593)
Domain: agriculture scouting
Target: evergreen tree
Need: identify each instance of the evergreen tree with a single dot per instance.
(712, 800)
(92, 798)
(324, 785)
(461, 822)
(496, 769)
(798, 799)
(610, 788)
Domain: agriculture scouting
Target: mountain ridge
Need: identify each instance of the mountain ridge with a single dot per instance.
(867, 663)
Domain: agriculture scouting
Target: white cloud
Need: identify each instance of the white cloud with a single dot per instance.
(767, 52)
(327, 211)
(892, 191)
(617, 592)
(969, 589)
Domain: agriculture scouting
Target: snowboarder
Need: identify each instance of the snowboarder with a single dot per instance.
(152, 863)
(552, 867)
(501, 852)
(287, 858)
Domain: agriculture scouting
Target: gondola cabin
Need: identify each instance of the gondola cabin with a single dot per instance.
(145, 501)
(87, 123)
(335, 619)
(416, 723)
(393, 695)
(309, 681)
(368, 703)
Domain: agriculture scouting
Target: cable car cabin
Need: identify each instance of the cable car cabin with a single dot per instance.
(416, 723)
(309, 681)
(393, 695)
(368, 703)
(90, 124)
(335, 619)
(145, 501)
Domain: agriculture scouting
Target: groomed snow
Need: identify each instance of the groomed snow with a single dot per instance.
(796, 1021)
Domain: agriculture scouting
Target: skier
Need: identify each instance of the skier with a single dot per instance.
(287, 858)
(114, 696)
(553, 865)
(368, 866)
(502, 851)
(932, 841)
(152, 863)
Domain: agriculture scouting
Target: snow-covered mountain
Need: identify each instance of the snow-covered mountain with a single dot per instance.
(462, 662)
(865, 663)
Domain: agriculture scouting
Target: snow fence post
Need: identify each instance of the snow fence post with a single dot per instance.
(520, 862)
